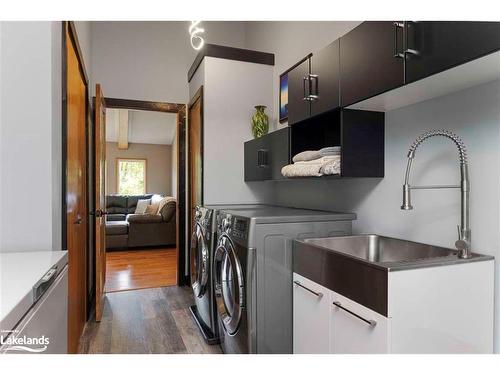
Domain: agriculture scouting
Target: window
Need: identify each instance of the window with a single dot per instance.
(131, 176)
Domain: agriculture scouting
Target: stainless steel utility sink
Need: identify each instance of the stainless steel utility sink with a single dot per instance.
(358, 266)
(378, 249)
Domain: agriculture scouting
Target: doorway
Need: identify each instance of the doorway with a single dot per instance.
(144, 212)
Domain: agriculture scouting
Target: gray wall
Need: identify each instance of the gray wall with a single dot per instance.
(474, 114)
(30, 136)
(158, 165)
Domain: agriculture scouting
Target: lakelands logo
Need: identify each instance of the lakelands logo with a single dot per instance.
(23, 343)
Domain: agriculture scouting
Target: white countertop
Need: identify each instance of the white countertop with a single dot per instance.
(19, 272)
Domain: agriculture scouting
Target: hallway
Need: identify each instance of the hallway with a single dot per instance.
(146, 321)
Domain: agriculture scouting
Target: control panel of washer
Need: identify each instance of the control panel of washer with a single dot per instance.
(239, 227)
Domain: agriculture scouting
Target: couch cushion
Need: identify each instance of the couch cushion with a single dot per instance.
(116, 201)
(144, 219)
(115, 217)
(116, 227)
(168, 211)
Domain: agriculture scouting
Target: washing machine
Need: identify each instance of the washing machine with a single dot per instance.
(201, 255)
(252, 273)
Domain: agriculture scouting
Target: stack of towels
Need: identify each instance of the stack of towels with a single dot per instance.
(314, 163)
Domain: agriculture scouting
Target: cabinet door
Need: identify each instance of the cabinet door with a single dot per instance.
(278, 152)
(311, 304)
(436, 46)
(299, 108)
(325, 79)
(256, 160)
(370, 61)
(355, 329)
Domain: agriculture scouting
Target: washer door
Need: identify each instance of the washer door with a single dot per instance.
(199, 262)
(229, 286)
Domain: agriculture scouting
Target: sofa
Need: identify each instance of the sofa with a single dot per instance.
(126, 229)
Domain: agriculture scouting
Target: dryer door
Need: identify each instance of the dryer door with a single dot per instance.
(199, 262)
(229, 286)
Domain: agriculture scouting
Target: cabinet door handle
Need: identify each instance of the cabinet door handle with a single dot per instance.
(396, 26)
(314, 78)
(317, 294)
(370, 322)
(408, 50)
(306, 95)
(261, 158)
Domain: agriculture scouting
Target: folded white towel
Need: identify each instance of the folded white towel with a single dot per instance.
(301, 170)
(322, 160)
(327, 165)
(330, 168)
(313, 155)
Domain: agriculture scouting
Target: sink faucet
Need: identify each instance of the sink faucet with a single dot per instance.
(463, 244)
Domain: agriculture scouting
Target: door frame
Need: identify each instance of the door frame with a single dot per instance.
(180, 110)
(198, 95)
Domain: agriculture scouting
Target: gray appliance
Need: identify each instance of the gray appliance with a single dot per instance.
(201, 256)
(253, 273)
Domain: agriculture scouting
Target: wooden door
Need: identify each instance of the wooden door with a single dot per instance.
(325, 69)
(195, 156)
(298, 89)
(370, 60)
(434, 46)
(76, 195)
(100, 201)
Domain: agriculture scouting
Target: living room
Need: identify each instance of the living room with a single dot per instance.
(141, 184)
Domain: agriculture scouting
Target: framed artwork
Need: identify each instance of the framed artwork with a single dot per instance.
(283, 104)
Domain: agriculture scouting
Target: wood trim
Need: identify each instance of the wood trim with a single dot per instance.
(197, 96)
(230, 53)
(74, 36)
(117, 163)
(181, 234)
(181, 111)
(143, 105)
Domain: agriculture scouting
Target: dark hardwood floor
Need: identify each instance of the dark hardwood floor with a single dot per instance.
(153, 320)
(140, 268)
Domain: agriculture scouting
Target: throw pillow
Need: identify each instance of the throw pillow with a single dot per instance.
(156, 198)
(151, 209)
(141, 205)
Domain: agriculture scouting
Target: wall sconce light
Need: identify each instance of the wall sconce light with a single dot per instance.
(197, 41)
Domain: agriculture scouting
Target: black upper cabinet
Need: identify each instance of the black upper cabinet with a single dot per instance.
(325, 79)
(265, 156)
(436, 46)
(371, 60)
(299, 107)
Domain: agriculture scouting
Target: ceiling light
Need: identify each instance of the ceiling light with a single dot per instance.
(197, 41)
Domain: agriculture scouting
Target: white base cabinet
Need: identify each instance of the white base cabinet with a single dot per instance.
(446, 309)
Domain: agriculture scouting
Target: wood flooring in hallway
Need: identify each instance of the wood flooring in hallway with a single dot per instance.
(140, 268)
(145, 321)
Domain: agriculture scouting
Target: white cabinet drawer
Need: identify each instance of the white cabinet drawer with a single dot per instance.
(311, 316)
(355, 329)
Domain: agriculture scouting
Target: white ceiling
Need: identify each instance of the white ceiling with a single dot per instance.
(143, 127)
